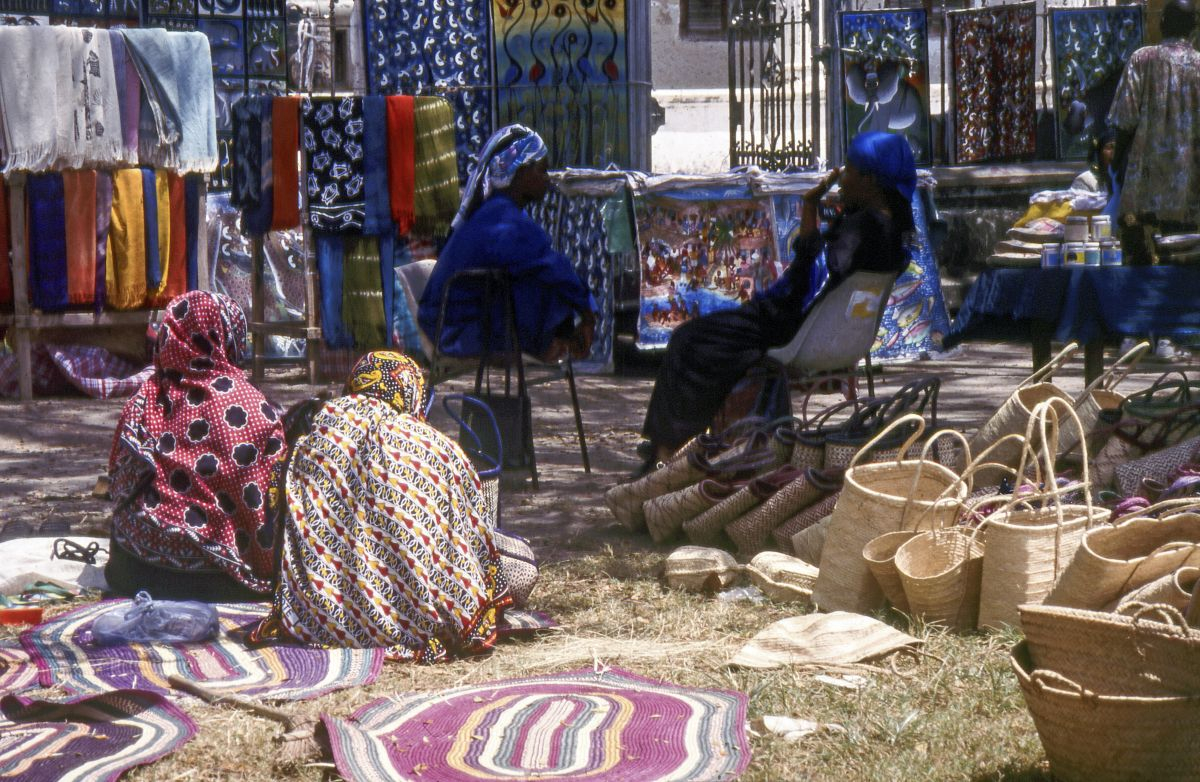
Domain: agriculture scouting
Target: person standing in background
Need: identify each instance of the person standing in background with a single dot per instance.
(1156, 112)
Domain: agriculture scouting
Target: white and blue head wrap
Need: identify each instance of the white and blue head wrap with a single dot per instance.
(505, 153)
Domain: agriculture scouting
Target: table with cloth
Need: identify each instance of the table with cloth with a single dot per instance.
(1085, 304)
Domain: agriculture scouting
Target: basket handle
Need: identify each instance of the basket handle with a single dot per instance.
(905, 419)
(1064, 355)
(1116, 374)
(1192, 617)
(1166, 548)
(1046, 417)
(1046, 679)
(496, 460)
(967, 475)
(1179, 505)
(962, 439)
(1170, 616)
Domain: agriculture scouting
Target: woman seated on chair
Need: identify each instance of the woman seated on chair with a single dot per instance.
(191, 464)
(555, 314)
(385, 543)
(707, 356)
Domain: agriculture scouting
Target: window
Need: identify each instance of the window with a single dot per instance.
(703, 18)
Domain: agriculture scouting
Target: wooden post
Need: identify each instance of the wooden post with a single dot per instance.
(20, 275)
(259, 338)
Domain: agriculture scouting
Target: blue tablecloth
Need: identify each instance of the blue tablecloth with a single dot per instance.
(1081, 304)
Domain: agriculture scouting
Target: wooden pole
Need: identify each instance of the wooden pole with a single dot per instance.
(20, 275)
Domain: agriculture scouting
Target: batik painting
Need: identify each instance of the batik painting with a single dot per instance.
(435, 47)
(698, 255)
(1091, 47)
(230, 266)
(576, 227)
(915, 319)
(561, 69)
(995, 110)
(885, 76)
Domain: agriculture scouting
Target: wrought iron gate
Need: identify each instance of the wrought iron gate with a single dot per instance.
(775, 84)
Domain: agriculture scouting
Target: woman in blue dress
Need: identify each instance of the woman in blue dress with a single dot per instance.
(554, 311)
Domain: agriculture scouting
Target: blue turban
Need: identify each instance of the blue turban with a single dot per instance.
(887, 157)
(509, 148)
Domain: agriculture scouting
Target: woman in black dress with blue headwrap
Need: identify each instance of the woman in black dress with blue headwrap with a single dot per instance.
(707, 356)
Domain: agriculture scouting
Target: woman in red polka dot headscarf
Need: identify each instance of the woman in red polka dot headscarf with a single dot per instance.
(191, 464)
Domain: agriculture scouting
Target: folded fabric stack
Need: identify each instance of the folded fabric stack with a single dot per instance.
(75, 97)
(1016, 253)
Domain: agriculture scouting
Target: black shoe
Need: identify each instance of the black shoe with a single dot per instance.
(649, 465)
(646, 449)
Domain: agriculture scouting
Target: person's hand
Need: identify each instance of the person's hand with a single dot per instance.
(815, 194)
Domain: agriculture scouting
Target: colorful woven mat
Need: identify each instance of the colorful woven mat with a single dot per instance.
(518, 623)
(95, 738)
(581, 725)
(17, 671)
(66, 656)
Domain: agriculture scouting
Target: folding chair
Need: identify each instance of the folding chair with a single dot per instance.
(837, 334)
(500, 351)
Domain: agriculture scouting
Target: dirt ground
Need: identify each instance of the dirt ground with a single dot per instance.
(52, 450)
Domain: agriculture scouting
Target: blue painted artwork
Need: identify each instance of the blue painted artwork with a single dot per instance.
(1091, 47)
(885, 76)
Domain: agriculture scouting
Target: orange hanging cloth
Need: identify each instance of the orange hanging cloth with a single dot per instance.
(175, 280)
(401, 161)
(79, 192)
(285, 154)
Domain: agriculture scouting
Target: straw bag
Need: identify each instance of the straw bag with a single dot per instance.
(1100, 396)
(1174, 589)
(781, 577)
(1013, 415)
(941, 573)
(697, 569)
(879, 498)
(1135, 550)
(809, 542)
(1097, 738)
(1032, 538)
(1157, 465)
(1155, 418)
(880, 556)
(1143, 650)
(807, 438)
(785, 532)
(751, 531)
(666, 514)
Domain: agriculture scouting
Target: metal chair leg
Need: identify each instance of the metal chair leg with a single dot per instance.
(870, 377)
(583, 451)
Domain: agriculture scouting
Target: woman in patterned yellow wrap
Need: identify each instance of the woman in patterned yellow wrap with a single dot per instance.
(384, 539)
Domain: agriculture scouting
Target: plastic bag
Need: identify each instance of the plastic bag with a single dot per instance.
(148, 621)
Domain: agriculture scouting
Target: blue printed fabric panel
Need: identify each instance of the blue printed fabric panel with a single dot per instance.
(915, 319)
(562, 69)
(576, 227)
(437, 47)
(1091, 47)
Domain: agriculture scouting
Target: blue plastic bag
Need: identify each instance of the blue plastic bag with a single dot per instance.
(148, 621)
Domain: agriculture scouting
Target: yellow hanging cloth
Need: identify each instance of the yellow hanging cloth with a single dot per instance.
(125, 266)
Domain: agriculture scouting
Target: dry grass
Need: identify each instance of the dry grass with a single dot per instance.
(954, 713)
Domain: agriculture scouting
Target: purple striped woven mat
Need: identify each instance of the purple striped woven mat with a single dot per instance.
(17, 671)
(96, 738)
(581, 725)
(66, 656)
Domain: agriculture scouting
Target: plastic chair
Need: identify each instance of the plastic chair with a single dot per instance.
(487, 457)
(838, 333)
(491, 286)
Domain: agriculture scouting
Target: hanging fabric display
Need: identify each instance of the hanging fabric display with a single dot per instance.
(993, 57)
(377, 216)
(1090, 49)
(401, 135)
(47, 242)
(435, 182)
(125, 281)
(285, 140)
(104, 200)
(6, 291)
(885, 68)
(79, 192)
(252, 164)
(332, 143)
(424, 46)
(562, 69)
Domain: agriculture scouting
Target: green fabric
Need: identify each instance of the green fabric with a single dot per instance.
(362, 293)
(618, 228)
(436, 171)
